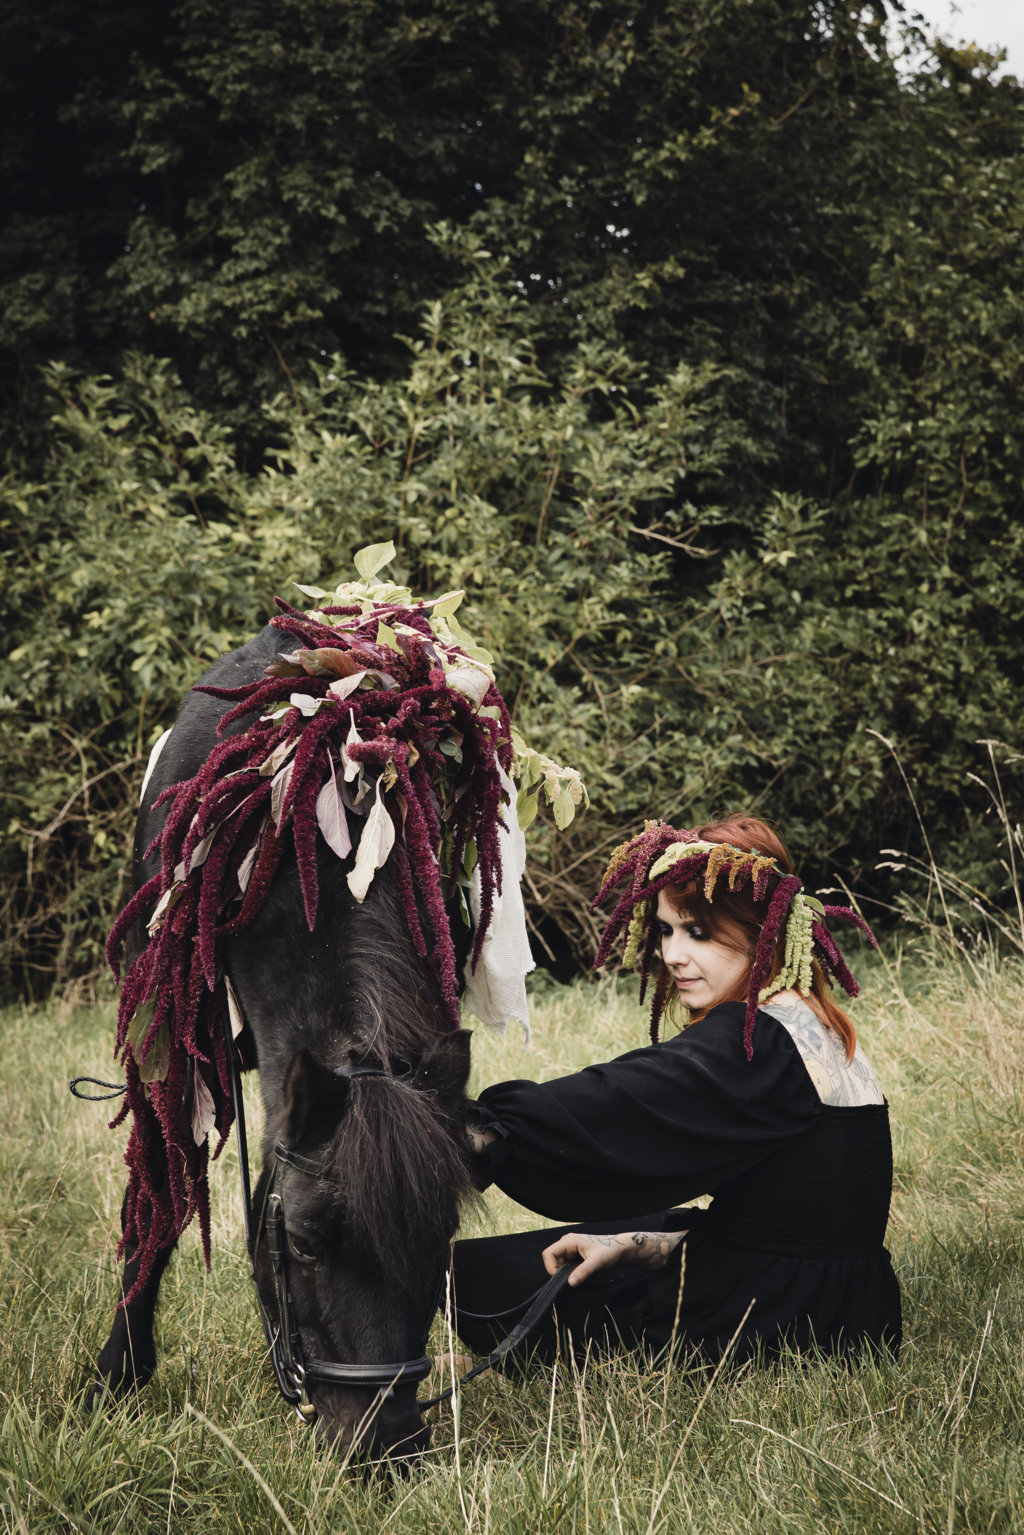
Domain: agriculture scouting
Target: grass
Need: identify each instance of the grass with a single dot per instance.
(933, 1443)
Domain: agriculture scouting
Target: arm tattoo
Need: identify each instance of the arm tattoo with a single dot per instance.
(649, 1249)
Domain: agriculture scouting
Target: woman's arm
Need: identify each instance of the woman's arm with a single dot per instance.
(647, 1249)
(652, 1129)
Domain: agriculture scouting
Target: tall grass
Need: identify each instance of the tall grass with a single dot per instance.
(931, 1443)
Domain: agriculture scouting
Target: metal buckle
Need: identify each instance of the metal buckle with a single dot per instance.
(304, 1408)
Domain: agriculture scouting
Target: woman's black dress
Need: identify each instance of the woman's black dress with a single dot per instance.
(796, 1225)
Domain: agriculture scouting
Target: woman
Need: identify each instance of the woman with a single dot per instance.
(764, 1101)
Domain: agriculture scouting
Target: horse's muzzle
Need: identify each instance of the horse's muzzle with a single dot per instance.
(388, 1433)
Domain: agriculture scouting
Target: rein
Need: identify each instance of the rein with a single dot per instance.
(291, 1369)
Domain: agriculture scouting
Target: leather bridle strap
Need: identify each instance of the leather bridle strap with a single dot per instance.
(387, 1376)
(291, 1370)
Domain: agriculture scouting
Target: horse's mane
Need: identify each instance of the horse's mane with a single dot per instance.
(399, 1177)
(373, 718)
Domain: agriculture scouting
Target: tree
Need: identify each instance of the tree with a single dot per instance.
(685, 335)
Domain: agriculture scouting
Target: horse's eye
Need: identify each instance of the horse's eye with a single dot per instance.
(301, 1249)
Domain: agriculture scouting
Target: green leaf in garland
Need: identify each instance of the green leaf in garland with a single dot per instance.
(526, 808)
(138, 1029)
(445, 606)
(564, 809)
(158, 1056)
(373, 558)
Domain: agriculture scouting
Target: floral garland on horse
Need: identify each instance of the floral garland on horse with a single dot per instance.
(385, 710)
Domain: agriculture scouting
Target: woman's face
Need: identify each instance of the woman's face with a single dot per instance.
(705, 971)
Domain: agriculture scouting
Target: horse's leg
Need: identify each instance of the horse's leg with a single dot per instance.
(128, 1358)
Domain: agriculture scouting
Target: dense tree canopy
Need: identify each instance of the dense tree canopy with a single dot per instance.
(687, 336)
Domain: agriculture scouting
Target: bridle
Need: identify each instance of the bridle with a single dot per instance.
(291, 1368)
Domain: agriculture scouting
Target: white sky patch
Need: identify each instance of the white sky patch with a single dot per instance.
(991, 24)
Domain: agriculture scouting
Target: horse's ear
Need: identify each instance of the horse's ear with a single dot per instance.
(444, 1068)
(314, 1101)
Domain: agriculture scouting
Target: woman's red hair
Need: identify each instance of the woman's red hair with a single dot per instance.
(735, 919)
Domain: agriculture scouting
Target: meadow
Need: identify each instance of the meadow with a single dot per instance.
(934, 1442)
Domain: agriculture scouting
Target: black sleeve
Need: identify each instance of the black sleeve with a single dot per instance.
(653, 1127)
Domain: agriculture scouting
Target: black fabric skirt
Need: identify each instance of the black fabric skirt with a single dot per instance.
(710, 1295)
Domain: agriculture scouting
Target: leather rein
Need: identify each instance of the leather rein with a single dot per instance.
(291, 1368)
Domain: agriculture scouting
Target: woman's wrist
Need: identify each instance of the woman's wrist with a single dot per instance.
(479, 1140)
(651, 1249)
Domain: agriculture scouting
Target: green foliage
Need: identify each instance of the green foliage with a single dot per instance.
(129, 563)
(707, 396)
(146, 552)
(246, 187)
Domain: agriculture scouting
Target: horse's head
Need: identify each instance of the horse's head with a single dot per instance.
(357, 1205)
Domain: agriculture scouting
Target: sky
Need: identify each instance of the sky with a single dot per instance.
(990, 23)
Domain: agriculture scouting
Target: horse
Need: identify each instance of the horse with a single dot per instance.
(338, 994)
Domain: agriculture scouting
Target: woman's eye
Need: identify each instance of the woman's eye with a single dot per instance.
(664, 931)
(695, 931)
(301, 1249)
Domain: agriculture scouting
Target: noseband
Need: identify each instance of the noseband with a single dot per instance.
(291, 1368)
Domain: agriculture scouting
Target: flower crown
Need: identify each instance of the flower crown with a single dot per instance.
(661, 856)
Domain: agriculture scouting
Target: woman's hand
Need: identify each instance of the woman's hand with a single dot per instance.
(648, 1249)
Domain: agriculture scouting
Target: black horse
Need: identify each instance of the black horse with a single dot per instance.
(363, 1080)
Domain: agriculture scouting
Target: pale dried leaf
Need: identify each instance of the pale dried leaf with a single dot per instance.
(235, 1013)
(351, 768)
(374, 846)
(331, 818)
(246, 867)
(282, 751)
(278, 790)
(201, 851)
(167, 901)
(346, 685)
(204, 1115)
